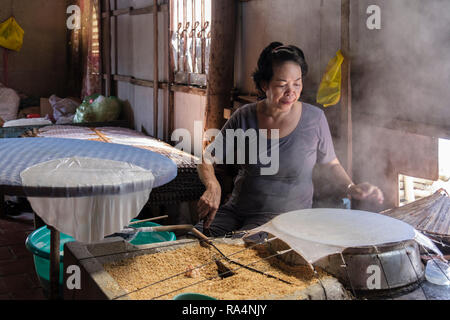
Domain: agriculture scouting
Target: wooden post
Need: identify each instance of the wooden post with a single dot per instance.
(155, 68)
(54, 263)
(221, 62)
(345, 131)
(184, 35)
(194, 36)
(114, 86)
(171, 106)
(202, 25)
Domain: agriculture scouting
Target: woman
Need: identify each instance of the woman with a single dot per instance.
(304, 141)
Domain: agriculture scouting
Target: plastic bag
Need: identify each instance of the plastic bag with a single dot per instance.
(63, 108)
(84, 112)
(9, 103)
(91, 98)
(438, 272)
(102, 109)
(107, 109)
(329, 92)
(11, 35)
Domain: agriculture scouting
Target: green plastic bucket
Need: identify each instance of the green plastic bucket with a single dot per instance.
(38, 242)
(151, 237)
(192, 296)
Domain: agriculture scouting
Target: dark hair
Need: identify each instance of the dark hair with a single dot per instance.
(274, 54)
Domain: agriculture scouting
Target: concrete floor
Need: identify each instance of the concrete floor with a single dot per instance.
(18, 280)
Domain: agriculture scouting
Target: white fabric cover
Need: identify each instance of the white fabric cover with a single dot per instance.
(89, 218)
(9, 103)
(27, 122)
(317, 233)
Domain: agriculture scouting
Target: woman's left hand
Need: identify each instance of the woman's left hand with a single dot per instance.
(366, 191)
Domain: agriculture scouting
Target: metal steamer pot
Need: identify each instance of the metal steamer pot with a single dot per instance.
(380, 270)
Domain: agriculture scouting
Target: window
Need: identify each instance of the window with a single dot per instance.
(91, 41)
(95, 33)
(191, 39)
(412, 189)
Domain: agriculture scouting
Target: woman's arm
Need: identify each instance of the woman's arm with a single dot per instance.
(210, 200)
(335, 174)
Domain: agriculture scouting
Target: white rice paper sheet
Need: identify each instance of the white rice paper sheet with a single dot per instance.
(91, 217)
(317, 233)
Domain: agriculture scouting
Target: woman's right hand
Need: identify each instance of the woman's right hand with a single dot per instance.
(208, 204)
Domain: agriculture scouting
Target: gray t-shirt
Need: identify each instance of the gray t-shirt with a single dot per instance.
(290, 188)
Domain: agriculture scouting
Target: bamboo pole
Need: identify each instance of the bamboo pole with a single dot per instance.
(203, 37)
(193, 34)
(171, 103)
(184, 35)
(155, 69)
(114, 87)
(107, 48)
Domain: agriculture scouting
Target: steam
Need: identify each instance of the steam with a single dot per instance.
(401, 71)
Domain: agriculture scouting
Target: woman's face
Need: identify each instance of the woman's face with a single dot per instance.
(285, 87)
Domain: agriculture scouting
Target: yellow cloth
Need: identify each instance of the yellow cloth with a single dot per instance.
(11, 35)
(329, 92)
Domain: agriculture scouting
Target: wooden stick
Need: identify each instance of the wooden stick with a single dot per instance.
(147, 220)
(188, 227)
(205, 238)
(54, 263)
(173, 227)
(200, 235)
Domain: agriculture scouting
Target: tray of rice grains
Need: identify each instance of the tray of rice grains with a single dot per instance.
(240, 271)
